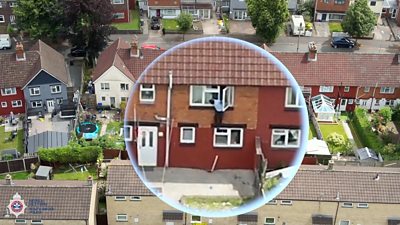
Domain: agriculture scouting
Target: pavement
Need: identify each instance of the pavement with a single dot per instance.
(241, 27)
(179, 182)
(395, 28)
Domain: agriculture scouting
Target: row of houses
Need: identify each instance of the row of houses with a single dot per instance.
(262, 112)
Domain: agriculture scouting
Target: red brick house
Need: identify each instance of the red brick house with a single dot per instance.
(327, 10)
(6, 14)
(164, 8)
(121, 12)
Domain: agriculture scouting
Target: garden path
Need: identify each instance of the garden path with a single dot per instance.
(349, 134)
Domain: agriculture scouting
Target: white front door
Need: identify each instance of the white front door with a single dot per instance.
(343, 104)
(147, 146)
(50, 106)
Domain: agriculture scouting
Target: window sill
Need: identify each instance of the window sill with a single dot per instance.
(284, 148)
(227, 147)
(147, 102)
(208, 107)
(290, 108)
(187, 144)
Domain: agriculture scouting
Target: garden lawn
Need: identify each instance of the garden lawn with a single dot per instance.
(327, 129)
(355, 136)
(60, 174)
(17, 176)
(134, 23)
(312, 133)
(17, 143)
(170, 24)
(114, 127)
(335, 27)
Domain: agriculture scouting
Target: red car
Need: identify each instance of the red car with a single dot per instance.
(148, 46)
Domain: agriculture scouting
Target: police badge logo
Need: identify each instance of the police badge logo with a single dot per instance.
(17, 205)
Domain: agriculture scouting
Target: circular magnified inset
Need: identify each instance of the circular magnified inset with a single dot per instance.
(218, 125)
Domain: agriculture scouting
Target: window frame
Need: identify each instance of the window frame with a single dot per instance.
(4, 104)
(57, 89)
(12, 4)
(195, 221)
(103, 98)
(119, 198)
(121, 220)
(363, 205)
(350, 101)
(120, 2)
(4, 90)
(389, 91)
(36, 222)
(348, 222)
(151, 89)
(192, 140)
(286, 144)
(21, 221)
(370, 3)
(124, 86)
(135, 198)
(229, 135)
(286, 202)
(297, 100)
(346, 89)
(347, 205)
(322, 89)
(130, 136)
(269, 223)
(36, 104)
(272, 202)
(367, 89)
(208, 89)
(2, 20)
(16, 101)
(33, 90)
(105, 86)
(119, 15)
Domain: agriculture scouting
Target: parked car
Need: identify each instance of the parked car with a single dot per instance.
(5, 41)
(342, 42)
(78, 52)
(155, 23)
(149, 46)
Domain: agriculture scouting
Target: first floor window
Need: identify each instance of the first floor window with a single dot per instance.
(389, 102)
(366, 89)
(346, 89)
(188, 134)
(292, 97)
(12, 4)
(36, 104)
(118, 1)
(55, 89)
(120, 198)
(387, 90)
(136, 198)
(36, 222)
(124, 87)
(122, 217)
(347, 205)
(372, 3)
(323, 89)
(34, 91)
(339, 2)
(8, 91)
(201, 95)
(103, 98)
(284, 138)
(3, 104)
(286, 202)
(228, 137)
(124, 99)
(362, 205)
(105, 86)
(16, 103)
(269, 221)
(147, 93)
(128, 133)
(12, 19)
(2, 19)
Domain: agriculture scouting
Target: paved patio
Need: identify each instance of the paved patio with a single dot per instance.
(241, 27)
(48, 124)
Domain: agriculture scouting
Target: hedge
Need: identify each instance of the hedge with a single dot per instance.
(71, 153)
(364, 130)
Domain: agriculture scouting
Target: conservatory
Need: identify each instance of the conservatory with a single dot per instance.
(323, 108)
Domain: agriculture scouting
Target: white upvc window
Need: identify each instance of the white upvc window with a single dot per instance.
(366, 89)
(200, 95)
(292, 97)
(122, 218)
(8, 91)
(347, 205)
(12, 4)
(55, 89)
(346, 88)
(16, 103)
(118, 1)
(147, 93)
(20, 221)
(37, 222)
(325, 89)
(344, 222)
(228, 137)
(128, 130)
(105, 86)
(135, 198)
(119, 15)
(269, 221)
(351, 101)
(195, 219)
(188, 134)
(285, 138)
(124, 87)
(120, 198)
(12, 19)
(36, 104)
(1, 6)
(362, 205)
(272, 202)
(387, 90)
(103, 98)
(34, 91)
(389, 102)
(2, 20)
(3, 104)
(286, 202)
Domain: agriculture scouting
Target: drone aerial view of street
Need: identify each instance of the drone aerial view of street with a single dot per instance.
(200, 112)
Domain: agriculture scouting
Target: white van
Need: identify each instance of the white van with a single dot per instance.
(5, 41)
(297, 25)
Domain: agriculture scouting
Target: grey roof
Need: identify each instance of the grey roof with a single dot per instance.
(48, 139)
(123, 180)
(49, 200)
(350, 184)
(366, 153)
(44, 171)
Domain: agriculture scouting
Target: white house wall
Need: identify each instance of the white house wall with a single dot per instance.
(114, 77)
(376, 104)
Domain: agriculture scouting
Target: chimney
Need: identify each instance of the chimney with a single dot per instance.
(330, 164)
(134, 48)
(19, 52)
(312, 51)
(9, 179)
(90, 181)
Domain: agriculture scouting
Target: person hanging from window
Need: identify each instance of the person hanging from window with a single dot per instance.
(219, 111)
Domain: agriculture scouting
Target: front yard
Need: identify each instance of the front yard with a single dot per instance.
(16, 143)
(170, 24)
(335, 27)
(133, 24)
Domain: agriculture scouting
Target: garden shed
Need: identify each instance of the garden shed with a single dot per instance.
(323, 108)
(44, 173)
(367, 154)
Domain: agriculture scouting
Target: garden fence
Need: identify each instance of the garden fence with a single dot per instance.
(18, 165)
(314, 122)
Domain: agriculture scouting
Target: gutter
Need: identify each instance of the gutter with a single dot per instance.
(168, 125)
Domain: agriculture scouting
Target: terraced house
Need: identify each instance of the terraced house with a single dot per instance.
(317, 195)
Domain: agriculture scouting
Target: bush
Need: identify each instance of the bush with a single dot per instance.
(364, 130)
(386, 114)
(337, 143)
(70, 154)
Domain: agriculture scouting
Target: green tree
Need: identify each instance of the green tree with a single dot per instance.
(386, 114)
(268, 17)
(307, 10)
(360, 20)
(185, 22)
(338, 143)
(40, 18)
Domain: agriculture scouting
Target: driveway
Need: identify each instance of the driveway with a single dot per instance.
(321, 29)
(210, 27)
(241, 27)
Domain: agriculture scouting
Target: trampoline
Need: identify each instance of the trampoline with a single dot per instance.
(88, 130)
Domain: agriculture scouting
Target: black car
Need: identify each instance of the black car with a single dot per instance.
(342, 42)
(155, 23)
(78, 52)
